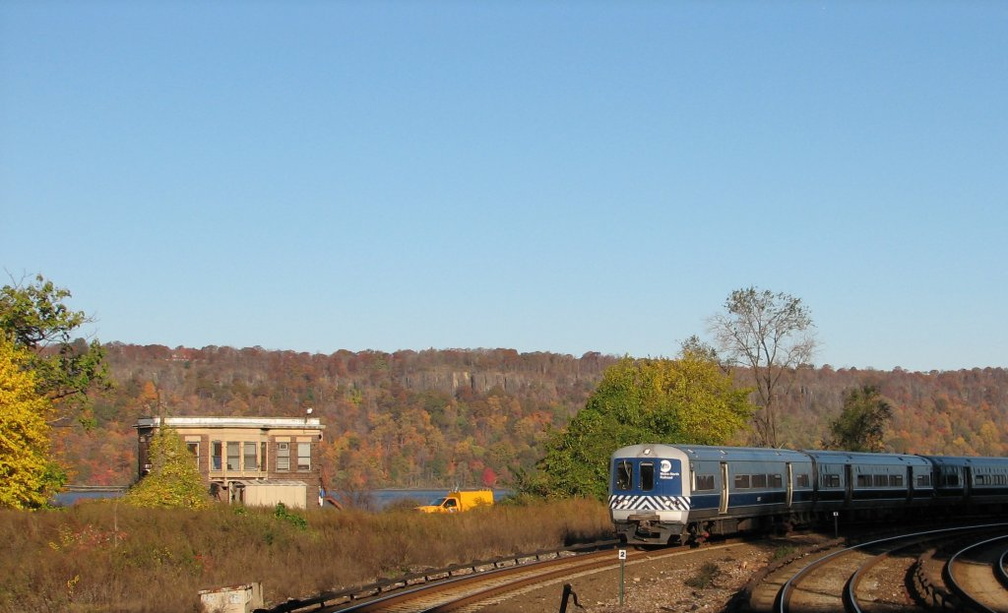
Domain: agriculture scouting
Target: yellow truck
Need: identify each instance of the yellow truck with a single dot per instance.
(458, 500)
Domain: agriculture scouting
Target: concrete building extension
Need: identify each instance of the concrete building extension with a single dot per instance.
(248, 460)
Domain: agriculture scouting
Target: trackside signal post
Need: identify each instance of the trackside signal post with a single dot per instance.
(622, 566)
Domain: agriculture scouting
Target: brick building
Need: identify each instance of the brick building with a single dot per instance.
(252, 460)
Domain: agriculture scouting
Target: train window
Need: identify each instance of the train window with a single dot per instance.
(864, 480)
(647, 476)
(624, 475)
(703, 482)
(880, 480)
(950, 479)
(831, 480)
(895, 480)
(980, 479)
(759, 480)
(741, 482)
(924, 480)
(776, 481)
(802, 480)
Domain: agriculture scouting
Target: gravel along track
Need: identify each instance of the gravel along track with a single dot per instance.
(683, 580)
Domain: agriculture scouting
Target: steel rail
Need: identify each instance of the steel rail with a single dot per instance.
(784, 595)
(355, 594)
(954, 584)
(850, 598)
(1002, 568)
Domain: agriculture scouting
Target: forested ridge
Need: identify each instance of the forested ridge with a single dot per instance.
(442, 418)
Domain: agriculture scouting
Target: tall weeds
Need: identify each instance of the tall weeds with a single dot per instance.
(107, 556)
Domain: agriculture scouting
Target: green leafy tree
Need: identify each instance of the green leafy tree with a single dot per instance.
(862, 422)
(28, 477)
(34, 317)
(771, 334)
(174, 480)
(686, 400)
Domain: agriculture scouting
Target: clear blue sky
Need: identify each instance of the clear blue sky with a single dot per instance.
(558, 176)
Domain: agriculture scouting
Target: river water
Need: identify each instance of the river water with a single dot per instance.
(372, 500)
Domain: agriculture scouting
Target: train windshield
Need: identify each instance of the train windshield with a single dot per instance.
(624, 475)
(647, 476)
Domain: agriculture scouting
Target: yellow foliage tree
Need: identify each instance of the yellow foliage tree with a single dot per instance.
(174, 480)
(28, 475)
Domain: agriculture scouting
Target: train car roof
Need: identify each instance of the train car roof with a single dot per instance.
(713, 453)
(953, 460)
(860, 457)
(741, 454)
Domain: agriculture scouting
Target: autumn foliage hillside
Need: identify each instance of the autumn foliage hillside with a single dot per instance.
(441, 418)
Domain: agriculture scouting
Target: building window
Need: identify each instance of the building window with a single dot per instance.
(304, 456)
(193, 448)
(216, 455)
(283, 457)
(250, 462)
(233, 453)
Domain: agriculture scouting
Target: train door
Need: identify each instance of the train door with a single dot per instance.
(790, 485)
(723, 508)
(848, 483)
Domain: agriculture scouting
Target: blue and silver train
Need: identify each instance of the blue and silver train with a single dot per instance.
(661, 494)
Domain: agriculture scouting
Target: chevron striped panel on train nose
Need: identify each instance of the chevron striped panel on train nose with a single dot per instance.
(649, 503)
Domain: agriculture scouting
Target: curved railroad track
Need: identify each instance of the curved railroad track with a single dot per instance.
(954, 568)
(976, 574)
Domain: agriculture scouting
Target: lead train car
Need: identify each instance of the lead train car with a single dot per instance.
(660, 493)
(664, 493)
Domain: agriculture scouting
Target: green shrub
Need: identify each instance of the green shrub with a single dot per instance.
(704, 578)
(281, 513)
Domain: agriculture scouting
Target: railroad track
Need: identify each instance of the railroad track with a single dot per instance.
(977, 575)
(953, 568)
(486, 585)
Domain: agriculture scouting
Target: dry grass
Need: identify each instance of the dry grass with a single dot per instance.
(106, 556)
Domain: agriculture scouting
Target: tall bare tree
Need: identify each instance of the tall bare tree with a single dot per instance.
(771, 334)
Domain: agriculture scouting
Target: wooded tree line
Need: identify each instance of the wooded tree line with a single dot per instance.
(438, 418)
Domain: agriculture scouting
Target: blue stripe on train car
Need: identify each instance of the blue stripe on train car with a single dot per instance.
(831, 496)
(745, 499)
(707, 501)
(879, 494)
(983, 490)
